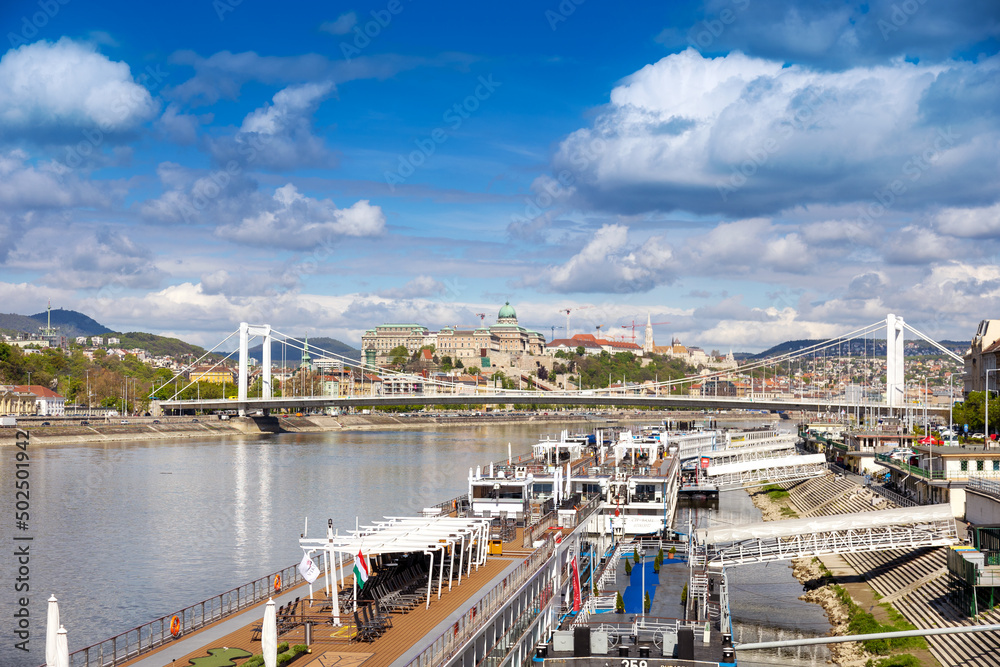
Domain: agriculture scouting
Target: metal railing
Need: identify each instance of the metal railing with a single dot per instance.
(128, 645)
(448, 642)
(990, 486)
(941, 474)
(451, 640)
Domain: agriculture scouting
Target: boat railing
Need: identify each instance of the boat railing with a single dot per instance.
(132, 643)
(451, 640)
(447, 643)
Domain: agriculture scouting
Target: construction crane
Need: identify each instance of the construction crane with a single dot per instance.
(482, 318)
(568, 311)
(640, 325)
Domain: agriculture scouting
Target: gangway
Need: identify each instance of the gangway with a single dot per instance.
(742, 474)
(757, 453)
(883, 530)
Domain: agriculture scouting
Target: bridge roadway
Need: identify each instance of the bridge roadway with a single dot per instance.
(884, 530)
(580, 398)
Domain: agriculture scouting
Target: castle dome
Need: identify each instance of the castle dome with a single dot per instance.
(507, 312)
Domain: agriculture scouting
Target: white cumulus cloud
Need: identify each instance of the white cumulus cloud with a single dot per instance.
(48, 89)
(295, 221)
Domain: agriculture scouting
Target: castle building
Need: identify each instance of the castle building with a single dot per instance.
(498, 343)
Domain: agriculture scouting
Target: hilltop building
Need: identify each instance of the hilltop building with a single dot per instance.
(592, 345)
(498, 343)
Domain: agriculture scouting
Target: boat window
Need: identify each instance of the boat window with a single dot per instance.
(542, 487)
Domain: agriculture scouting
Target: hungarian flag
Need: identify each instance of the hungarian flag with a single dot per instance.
(308, 569)
(361, 569)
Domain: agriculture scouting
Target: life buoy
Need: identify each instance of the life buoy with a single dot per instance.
(277, 582)
(175, 626)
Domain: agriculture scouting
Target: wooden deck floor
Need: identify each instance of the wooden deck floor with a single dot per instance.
(332, 645)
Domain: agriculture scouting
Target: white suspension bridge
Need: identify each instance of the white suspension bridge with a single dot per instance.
(884, 395)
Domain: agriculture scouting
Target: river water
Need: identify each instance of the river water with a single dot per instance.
(126, 532)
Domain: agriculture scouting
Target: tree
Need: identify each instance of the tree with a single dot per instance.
(473, 370)
(581, 350)
(543, 373)
(619, 603)
(458, 363)
(398, 355)
(446, 363)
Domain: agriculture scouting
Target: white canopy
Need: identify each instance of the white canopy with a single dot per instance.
(433, 535)
(823, 524)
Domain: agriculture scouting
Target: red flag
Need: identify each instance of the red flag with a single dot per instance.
(576, 586)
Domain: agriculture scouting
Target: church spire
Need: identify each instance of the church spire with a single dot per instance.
(647, 342)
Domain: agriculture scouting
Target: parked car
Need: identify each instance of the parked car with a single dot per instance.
(901, 454)
(156, 421)
(85, 423)
(194, 420)
(46, 424)
(124, 421)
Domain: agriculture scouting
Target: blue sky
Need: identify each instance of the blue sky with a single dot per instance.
(748, 172)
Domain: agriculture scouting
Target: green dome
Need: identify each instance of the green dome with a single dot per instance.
(507, 311)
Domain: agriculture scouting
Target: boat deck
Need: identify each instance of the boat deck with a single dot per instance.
(329, 641)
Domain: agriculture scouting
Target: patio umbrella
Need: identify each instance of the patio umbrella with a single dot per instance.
(62, 648)
(51, 628)
(269, 635)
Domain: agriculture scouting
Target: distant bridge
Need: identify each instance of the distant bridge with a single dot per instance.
(435, 392)
(584, 398)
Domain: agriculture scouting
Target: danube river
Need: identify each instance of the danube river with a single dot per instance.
(126, 532)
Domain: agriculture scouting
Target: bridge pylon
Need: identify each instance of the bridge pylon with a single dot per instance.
(894, 384)
(246, 331)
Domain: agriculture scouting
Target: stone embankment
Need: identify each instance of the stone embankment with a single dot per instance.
(73, 431)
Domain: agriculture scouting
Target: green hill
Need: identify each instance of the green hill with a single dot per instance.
(159, 345)
(292, 355)
(72, 323)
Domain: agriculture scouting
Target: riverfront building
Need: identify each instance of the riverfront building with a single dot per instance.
(981, 358)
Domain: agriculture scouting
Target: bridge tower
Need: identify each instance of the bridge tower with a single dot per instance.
(247, 330)
(894, 383)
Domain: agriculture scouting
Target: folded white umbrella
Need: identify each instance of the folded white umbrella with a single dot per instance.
(51, 628)
(268, 635)
(62, 648)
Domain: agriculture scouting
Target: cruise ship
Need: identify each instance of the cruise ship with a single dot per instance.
(530, 565)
